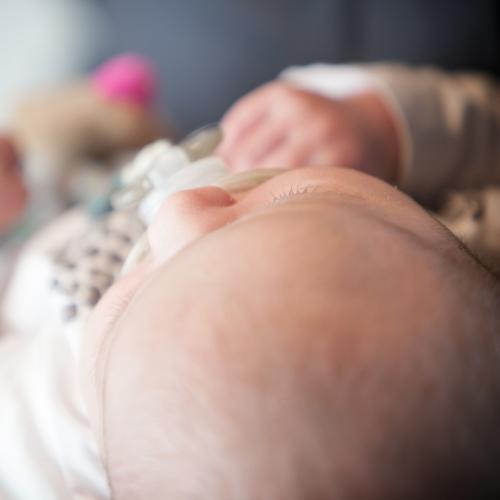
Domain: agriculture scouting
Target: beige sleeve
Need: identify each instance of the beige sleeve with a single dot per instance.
(451, 127)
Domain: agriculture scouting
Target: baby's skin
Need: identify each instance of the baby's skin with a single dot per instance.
(313, 338)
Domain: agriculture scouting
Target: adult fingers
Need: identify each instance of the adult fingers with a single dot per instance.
(256, 146)
(243, 116)
(289, 154)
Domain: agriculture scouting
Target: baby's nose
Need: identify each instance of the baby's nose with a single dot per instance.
(186, 216)
(200, 198)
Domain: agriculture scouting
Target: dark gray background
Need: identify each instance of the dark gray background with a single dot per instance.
(210, 52)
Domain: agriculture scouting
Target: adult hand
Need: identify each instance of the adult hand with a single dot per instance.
(12, 190)
(278, 125)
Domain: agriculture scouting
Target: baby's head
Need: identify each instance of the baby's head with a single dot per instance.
(320, 337)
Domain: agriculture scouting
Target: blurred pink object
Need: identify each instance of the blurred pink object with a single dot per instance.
(129, 78)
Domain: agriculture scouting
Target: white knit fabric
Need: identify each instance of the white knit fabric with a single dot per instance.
(47, 450)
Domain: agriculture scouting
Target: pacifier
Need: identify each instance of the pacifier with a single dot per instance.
(163, 169)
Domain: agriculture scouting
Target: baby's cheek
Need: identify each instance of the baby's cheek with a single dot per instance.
(114, 302)
(98, 338)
